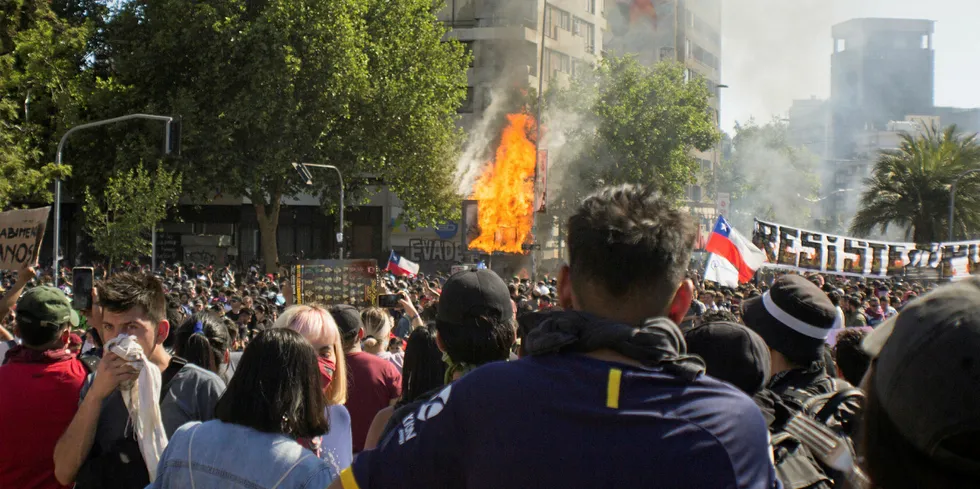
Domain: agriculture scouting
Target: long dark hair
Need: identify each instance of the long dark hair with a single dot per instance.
(423, 369)
(276, 388)
(203, 341)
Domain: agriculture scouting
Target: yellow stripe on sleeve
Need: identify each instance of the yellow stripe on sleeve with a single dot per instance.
(612, 389)
(347, 479)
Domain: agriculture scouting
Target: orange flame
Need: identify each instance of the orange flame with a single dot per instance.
(506, 191)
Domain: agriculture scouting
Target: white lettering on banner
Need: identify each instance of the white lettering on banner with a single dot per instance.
(792, 248)
(21, 232)
(422, 250)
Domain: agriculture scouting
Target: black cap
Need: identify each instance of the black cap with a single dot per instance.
(927, 373)
(347, 318)
(472, 294)
(794, 317)
(732, 353)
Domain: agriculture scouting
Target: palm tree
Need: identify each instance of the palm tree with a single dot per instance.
(909, 187)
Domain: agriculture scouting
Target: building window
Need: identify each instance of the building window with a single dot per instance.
(566, 20)
(486, 97)
(590, 6)
(840, 45)
(925, 41)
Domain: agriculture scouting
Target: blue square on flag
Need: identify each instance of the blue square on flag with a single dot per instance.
(722, 227)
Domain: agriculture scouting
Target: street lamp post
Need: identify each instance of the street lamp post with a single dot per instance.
(304, 172)
(952, 197)
(57, 183)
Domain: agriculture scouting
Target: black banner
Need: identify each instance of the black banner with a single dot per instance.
(793, 248)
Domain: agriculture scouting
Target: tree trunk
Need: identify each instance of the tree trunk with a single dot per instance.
(268, 217)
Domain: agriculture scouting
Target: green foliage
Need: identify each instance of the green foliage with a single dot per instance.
(632, 123)
(132, 203)
(368, 86)
(909, 187)
(768, 177)
(42, 87)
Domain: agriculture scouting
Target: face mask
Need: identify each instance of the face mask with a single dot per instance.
(87, 346)
(327, 368)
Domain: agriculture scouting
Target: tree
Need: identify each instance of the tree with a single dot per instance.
(367, 86)
(767, 177)
(909, 187)
(42, 88)
(631, 123)
(132, 203)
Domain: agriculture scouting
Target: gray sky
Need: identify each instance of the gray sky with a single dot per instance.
(775, 51)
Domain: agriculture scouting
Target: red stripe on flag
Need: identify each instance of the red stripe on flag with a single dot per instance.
(724, 248)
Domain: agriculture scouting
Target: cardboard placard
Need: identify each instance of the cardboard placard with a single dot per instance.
(21, 233)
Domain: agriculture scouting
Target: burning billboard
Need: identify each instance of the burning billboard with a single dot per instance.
(502, 216)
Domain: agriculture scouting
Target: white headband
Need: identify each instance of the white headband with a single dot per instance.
(793, 323)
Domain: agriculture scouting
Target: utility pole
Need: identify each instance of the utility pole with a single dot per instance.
(57, 183)
(307, 177)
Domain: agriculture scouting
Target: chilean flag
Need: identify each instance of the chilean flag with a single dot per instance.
(725, 242)
(402, 267)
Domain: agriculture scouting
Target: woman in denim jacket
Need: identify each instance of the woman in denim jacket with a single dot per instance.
(273, 400)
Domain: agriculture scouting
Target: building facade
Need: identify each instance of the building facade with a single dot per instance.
(882, 70)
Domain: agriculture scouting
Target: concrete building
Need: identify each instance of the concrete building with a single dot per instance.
(808, 125)
(881, 71)
(688, 31)
(505, 38)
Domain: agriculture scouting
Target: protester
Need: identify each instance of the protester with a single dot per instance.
(605, 380)
(851, 360)
(274, 399)
(98, 449)
(794, 317)
(467, 342)
(854, 316)
(319, 328)
(423, 373)
(377, 331)
(374, 383)
(732, 353)
(922, 422)
(40, 382)
(203, 341)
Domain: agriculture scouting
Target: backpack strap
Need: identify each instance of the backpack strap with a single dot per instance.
(90, 362)
(836, 401)
(167, 376)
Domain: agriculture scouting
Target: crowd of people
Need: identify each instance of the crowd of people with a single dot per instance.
(625, 369)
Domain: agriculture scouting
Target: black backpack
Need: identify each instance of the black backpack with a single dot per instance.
(821, 427)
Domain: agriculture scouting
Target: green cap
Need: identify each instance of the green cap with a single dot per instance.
(45, 305)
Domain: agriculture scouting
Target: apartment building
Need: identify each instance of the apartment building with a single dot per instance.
(505, 38)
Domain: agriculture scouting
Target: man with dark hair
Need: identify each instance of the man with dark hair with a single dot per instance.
(607, 381)
(374, 383)
(852, 362)
(474, 326)
(39, 387)
(853, 316)
(98, 449)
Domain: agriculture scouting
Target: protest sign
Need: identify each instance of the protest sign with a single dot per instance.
(21, 232)
(328, 282)
(792, 248)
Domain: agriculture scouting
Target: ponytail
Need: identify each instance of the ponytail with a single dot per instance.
(203, 341)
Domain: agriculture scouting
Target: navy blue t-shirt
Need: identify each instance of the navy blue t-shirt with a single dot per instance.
(567, 421)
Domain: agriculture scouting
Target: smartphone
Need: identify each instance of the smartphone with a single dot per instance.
(83, 279)
(388, 301)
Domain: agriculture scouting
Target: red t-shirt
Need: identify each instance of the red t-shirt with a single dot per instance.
(373, 383)
(37, 403)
